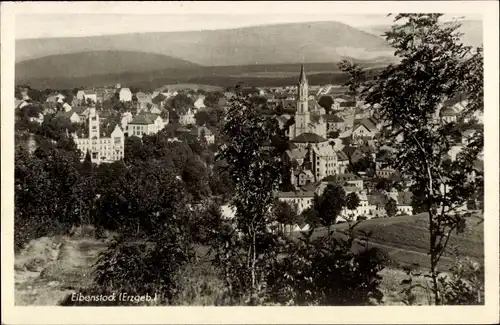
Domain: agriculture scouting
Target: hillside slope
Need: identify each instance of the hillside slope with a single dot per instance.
(270, 44)
(84, 64)
(472, 31)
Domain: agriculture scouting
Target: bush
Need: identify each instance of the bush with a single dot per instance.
(327, 272)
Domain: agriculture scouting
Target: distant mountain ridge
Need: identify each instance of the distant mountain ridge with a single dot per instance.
(268, 44)
(85, 64)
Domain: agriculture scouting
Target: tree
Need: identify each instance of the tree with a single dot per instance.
(326, 102)
(391, 207)
(434, 66)
(286, 214)
(201, 118)
(329, 204)
(256, 173)
(352, 201)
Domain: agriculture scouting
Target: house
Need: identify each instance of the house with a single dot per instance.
(73, 117)
(145, 123)
(83, 113)
(302, 176)
(66, 107)
(385, 172)
(353, 153)
(343, 162)
(143, 100)
(103, 148)
(364, 128)
(404, 200)
(200, 102)
(350, 179)
(302, 199)
(125, 95)
(364, 209)
(187, 117)
(335, 123)
(84, 95)
(205, 132)
(448, 114)
(379, 201)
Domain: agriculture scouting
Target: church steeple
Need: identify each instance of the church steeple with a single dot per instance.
(303, 87)
(302, 78)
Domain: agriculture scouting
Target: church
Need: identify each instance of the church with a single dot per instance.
(307, 119)
(312, 155)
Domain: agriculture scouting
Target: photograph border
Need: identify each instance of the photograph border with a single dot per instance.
(489, 313)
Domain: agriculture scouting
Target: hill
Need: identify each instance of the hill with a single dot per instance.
(472, 31)
(269, 44)
(84, 64)
(406, 239)
(253, 75)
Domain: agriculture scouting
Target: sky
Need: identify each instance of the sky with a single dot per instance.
(43, 25)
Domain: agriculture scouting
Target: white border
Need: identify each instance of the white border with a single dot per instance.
(248, 315)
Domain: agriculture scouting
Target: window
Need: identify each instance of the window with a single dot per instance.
(118, 140)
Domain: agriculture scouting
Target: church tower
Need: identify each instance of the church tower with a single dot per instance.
(302, 115)
(93, 124)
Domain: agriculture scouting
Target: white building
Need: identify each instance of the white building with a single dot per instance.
(84, 95)
(125, 95)
(103, 148)
(145, 123)
(187, 118)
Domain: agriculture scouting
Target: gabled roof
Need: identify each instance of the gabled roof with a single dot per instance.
(65, 114)
(342, 156)
(308, 138)
(144, 119)
(366, 122)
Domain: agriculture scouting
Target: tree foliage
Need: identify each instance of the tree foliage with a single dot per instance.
(434, 66)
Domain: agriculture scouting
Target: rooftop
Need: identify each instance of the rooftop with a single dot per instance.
(309, 138)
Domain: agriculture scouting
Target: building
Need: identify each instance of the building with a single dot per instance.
(314, 153)
(187, 117)
(335, 123)
(364, 128)
(72, 116)
(307, 121)
(145, 123)
(143, 100)
(103, 148)
(125, 95)
(85, 95)
(302, 199)
(342, 161)
(404, 200)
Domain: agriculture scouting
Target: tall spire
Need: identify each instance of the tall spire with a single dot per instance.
(302, 78)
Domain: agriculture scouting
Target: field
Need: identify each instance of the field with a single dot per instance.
(50, 268)
(406, 239)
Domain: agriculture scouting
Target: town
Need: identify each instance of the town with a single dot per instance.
(333, 136)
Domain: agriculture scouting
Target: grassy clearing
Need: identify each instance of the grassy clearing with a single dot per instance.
(406, 239)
